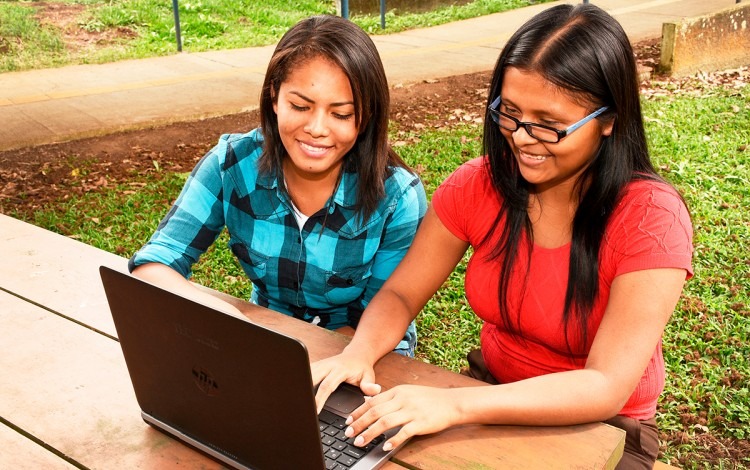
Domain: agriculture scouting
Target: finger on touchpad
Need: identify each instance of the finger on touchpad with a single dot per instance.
(345, 399)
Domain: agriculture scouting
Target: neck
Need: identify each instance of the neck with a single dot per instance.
(310, 192)
(551, 214)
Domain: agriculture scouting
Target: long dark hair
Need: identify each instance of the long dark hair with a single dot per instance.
(585, 52)
(348, 46)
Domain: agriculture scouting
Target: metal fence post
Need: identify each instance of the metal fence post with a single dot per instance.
(345, 9)
(176, 9)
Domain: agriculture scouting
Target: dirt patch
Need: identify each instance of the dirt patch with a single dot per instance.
(33, 177)
(79, 33)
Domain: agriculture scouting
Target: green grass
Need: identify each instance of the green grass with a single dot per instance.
(131, 29)
(23, 40)
(698, 143)
(701, 146)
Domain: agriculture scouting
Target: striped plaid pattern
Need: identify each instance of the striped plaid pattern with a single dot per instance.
(325, 273)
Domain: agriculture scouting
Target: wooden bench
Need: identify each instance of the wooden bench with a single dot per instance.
(66, 398)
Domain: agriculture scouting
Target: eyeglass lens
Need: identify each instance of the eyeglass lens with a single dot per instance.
(539, 133)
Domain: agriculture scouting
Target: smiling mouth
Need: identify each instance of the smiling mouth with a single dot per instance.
(314, 149)
(539, 158)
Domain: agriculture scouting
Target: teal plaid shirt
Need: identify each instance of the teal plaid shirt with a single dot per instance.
(327, 272)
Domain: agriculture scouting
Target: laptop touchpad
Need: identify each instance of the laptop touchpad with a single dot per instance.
(345, 399)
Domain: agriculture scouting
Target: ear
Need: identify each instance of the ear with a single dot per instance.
(607, 127)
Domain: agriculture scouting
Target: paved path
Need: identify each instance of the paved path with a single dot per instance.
(54, 105)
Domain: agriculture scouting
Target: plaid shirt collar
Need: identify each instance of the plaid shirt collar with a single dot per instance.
(346, 193)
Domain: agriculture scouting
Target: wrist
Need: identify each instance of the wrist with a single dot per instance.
(361, 353)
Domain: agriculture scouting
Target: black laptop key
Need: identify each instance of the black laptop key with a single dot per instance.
(354, 451)
(339, 445)
(339, 450)
(328, 417)
(373, 443)
(346, 460)
(332, 454)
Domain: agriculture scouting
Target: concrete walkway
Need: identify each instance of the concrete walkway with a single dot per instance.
(54, 105)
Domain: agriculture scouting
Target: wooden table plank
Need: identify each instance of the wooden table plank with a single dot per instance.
(21, 452)
(63, 277)
(56, 272)
(516, 447)
(594, 445)
(68, 386)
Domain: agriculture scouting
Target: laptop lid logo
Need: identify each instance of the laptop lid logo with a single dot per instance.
(205, 381)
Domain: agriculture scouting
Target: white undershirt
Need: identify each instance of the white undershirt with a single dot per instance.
(301, 218)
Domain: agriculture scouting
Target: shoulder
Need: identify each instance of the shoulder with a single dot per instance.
(401, 180)
(467, 202)
(471, 182)
(471, 173)
(652, 196)
(649, 228)
(250, 139)
(235, 148)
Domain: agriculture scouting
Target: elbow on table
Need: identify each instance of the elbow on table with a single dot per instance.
(612, 398)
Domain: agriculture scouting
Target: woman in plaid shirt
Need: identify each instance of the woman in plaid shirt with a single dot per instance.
(318, 207)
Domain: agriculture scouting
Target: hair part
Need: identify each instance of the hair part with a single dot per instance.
(348, 47)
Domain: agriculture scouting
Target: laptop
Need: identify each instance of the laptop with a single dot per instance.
(236, 391)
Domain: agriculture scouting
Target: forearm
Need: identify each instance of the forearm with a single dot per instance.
(167, 278)
(564, 398)
(381, 327)
(414, 281)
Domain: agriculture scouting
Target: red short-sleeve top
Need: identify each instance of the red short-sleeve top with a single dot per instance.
(650, 228)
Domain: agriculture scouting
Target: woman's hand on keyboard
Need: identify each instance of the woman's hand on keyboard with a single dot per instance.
(329, 373)
(416, 409)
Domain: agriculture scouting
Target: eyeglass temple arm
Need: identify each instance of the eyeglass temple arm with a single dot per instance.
(584, 120)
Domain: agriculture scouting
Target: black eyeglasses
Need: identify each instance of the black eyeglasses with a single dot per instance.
(538, 131)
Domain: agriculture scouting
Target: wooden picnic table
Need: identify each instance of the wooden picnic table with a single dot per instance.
(66, 400)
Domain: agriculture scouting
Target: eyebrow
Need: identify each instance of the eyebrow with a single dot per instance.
(310, 100)
(542, 114)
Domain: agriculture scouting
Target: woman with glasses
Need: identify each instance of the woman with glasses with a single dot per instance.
(580, 252)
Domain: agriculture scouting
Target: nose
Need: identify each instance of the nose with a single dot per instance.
(317, 125)
(522, 137)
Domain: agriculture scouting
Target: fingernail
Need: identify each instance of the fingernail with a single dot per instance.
(349, 420)
(359, 441)
(349, 432)
(387, 446)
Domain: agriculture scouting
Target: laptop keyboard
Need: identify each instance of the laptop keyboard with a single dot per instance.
(340, 452)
